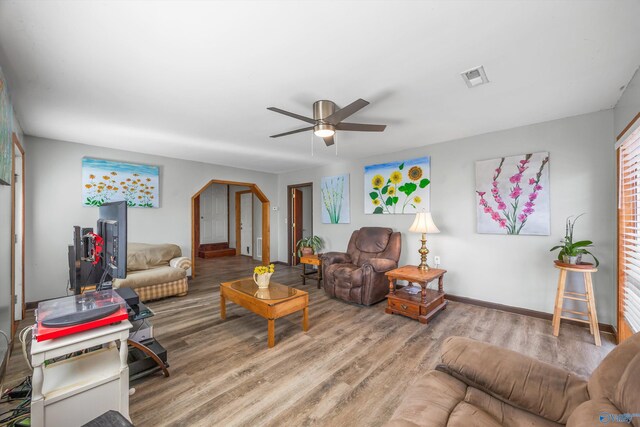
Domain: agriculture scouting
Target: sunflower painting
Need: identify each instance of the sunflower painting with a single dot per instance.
(397, 187)
(106, 181)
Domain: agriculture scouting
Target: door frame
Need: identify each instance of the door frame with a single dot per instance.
(290, 245)
(266, 219)
(238, 216)
(16, 145)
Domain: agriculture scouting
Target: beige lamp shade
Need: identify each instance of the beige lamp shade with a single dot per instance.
(423, 224)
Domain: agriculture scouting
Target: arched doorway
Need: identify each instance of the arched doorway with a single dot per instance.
(195, 218)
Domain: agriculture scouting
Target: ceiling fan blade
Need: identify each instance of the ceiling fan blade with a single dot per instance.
(360, 127)
(292, 132)
(329, 140)
(345, 112)
(294, 115)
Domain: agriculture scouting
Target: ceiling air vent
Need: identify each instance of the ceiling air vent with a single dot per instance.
(475, 77)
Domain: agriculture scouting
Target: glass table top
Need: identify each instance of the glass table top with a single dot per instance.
(274, 291)
(139, 312)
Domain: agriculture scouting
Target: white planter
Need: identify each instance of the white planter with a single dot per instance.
(572, 259)
(262, 280)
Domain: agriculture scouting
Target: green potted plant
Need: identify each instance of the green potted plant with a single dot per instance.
(309, 245)
(571, 252)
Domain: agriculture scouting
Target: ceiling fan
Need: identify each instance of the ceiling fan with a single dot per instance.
(327, 119)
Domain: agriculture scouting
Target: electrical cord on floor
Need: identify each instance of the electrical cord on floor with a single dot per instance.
(17, 392)
(20, 412)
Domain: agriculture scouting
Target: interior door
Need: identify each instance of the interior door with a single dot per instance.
(246, 224)
(296, 223)
(18, 182)
(214, 215)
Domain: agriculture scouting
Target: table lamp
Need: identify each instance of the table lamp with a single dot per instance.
(423, 224)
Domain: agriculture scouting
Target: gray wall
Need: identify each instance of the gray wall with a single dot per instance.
(512, 270)
(6, 240)
(54, 206)
(628, 105)
(5, 266)
(257, 228)
(307, 214)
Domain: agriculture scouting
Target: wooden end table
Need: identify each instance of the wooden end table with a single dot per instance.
(272, 303)
(422, 306)
(315, 275)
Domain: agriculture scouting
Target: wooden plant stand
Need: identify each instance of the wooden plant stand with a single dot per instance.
(587, 297)
(314, 275)
(422, 306)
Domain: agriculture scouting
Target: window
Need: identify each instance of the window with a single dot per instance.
(629, 236)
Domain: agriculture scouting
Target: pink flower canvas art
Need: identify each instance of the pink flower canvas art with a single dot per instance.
(512, 195)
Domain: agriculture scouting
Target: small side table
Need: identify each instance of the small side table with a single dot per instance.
(422, 306)
(313, 274)
(587, 297)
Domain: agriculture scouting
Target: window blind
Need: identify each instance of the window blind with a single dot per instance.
(629, 239)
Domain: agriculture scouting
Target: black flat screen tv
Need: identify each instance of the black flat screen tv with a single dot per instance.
(90, 266)
(112, 227)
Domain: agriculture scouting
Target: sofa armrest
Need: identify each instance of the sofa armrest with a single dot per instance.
(181, 262)
(545, 390)
(335, 258)
(381, 265)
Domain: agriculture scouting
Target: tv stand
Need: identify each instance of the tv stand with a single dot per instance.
(154, 356)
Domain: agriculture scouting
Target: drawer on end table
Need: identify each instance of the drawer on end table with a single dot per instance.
(403, 307)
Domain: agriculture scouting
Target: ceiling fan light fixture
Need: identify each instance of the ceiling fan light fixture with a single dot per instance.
(323, 130)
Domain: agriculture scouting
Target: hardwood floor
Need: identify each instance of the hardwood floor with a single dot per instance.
(350, 368)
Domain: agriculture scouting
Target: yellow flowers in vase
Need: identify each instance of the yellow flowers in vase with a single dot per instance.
(262, 275)
(264, 269)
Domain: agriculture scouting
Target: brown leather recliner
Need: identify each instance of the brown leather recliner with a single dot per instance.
(479, 384)
(358, 274)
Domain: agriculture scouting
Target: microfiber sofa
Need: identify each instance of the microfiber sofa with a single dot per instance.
(155, 271)
(478, 384)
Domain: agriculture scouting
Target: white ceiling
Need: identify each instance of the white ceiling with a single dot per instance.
(192, 80)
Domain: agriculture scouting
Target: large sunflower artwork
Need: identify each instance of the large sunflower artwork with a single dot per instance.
(400, 187)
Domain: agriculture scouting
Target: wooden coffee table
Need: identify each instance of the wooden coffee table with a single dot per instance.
(421, 306)
(273, 303)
